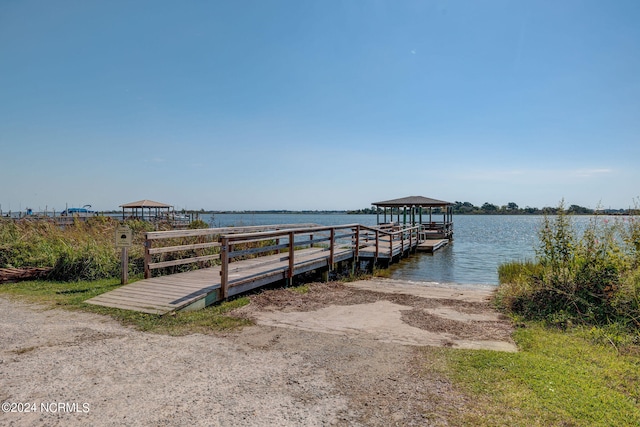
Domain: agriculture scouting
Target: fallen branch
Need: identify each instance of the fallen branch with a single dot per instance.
(10, 275)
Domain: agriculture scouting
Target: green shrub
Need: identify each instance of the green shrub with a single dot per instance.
(593, 278)
(197, 224)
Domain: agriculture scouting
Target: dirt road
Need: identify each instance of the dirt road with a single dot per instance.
(355, 354)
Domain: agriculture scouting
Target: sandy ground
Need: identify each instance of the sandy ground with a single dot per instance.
(355, 354)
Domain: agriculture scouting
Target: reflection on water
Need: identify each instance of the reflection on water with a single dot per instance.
(481, 243)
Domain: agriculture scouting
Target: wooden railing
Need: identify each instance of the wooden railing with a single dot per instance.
(444, 228)
(385, 238)
(327, 239)
(236, 243)
(209, 239)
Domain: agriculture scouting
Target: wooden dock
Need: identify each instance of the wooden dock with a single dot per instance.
(432, 245)
(160, 295)
(248, 259)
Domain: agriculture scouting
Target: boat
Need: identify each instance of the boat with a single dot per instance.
(82, 212)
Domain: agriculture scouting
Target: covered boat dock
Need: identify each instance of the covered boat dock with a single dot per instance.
(435, 216)
(154, 209)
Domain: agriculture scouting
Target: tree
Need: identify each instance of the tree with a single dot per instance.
(576, 209)
(464, 208)
(489, 207)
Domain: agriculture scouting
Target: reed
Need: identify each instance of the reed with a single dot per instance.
(84, 250)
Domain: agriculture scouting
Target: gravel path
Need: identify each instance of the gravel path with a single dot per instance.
(75, 368)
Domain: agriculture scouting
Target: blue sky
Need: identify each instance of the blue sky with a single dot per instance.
(318, 104)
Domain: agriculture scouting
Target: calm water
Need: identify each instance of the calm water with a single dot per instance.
(481, 243)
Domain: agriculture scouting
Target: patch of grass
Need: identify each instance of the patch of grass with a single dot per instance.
(71, 295)
(381, 272)
(208, 320)
(354, 277)
(518, 272)
(59, 293)
(558, 378)
(302, 289)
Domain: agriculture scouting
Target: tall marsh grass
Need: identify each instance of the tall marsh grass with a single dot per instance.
(82, 251)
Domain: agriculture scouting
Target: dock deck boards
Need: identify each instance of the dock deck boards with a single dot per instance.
(432, 245)
(161, 295)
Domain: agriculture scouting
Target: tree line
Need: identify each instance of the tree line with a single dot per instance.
(511, 208)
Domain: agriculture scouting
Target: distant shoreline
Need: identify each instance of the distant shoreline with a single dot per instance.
(619, 212)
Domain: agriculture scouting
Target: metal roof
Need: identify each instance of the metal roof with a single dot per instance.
(145, 204)
(412, 201)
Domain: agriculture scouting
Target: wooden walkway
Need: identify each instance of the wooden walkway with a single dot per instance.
(197, 289)
(269, 261)
(432, 245)
(160, 295)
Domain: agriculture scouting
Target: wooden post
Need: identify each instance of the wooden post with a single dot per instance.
(124, 263)
(375, 260)
(147, 257)
(325, 275)
(390, 247)
(224, 269)
(291, 260)
(444, 222)
(357, 238)
(332, 242)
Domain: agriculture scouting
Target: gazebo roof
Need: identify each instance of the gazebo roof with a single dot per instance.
(413, 201)
(145, 204)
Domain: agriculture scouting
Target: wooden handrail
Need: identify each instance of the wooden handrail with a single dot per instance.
(167, 249)
(358, 235)
(215, 233)
(284, 232)
(312, 235)
(155, 235)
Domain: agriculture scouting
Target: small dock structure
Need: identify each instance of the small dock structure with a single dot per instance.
(155, 211)
(432, 245)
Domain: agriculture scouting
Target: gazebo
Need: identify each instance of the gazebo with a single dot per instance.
(157, 207)
(416, 215)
